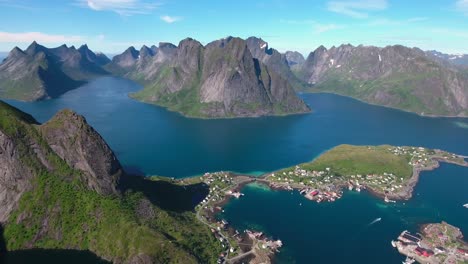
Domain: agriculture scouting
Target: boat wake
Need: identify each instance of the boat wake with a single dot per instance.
(375, 221)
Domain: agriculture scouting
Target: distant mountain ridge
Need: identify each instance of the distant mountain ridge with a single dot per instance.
(456, 59)
(40, 73)
(393, 76)
(252, 81)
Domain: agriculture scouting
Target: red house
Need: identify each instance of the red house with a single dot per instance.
(424, 252)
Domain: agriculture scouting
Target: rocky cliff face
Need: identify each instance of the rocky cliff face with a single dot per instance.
(394, 76)
(15, 177)
(274, 60)
(25, 149)
(40, 73)
(62, 187)
(294, 58)
(72, 139)
(221, 79)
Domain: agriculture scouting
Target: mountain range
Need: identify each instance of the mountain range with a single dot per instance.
(62, 187)
(393, 76)
(233, 77)
(221, 79)
(41, 73)
(456, 59)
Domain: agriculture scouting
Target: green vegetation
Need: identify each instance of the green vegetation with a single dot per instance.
(352, 160)
(60, 212)
(409, 88)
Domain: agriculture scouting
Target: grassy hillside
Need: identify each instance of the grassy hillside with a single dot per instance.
(60, 212)
(352, 160)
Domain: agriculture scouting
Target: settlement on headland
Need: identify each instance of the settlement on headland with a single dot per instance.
(388, 172)
(437, 243)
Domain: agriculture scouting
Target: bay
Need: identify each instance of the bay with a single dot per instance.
(153, 141)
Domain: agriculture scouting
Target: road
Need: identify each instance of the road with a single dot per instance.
(200, 218)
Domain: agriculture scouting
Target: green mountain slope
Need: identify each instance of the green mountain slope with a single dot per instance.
(58, 201)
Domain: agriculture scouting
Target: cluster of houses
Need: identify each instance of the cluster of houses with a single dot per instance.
(217, 182)
(441, 243)
(323, 185)
(263, 241)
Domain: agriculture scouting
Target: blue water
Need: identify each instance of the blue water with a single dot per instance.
(154, 141)
(343, 232)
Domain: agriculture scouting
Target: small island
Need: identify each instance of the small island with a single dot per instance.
(388, 172)
(437, 243)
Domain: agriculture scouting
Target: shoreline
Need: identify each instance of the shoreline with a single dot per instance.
(249, 251)
(385, 106)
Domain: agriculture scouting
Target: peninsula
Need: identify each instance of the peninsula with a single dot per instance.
(389, 172)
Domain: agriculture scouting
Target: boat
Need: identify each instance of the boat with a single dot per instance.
(465, 205)
(394, 243)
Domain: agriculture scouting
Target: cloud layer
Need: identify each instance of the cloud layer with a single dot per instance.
(462, 6)
(121, 7)
(28, 37)
(170, 19)
(357, 8)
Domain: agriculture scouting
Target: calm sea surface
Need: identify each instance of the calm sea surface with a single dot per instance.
(153, 141)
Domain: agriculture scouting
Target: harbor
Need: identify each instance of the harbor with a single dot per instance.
(437, 244)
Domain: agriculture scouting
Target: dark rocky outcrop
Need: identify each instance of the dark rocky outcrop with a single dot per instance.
(69, 136)
(77, 143)
(274, 60)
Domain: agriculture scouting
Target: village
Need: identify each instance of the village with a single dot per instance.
(238, 246)
(320, 184)
(327, 184)
(438, 243)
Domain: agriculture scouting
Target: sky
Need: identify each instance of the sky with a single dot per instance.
(111, 26)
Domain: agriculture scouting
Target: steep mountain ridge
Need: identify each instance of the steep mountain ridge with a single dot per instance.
(394, 76)
(63, 188)
(275, 60)
(221, 79)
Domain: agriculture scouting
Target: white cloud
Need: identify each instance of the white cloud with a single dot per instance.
(298, 22)
(322, 28)
(121, 7)
(357, 8)
(462, 6)
(170, 19)
(27, 37)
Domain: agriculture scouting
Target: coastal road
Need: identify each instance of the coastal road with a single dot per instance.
(200, 218)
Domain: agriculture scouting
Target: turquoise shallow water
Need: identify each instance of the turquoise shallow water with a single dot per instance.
(152, 141)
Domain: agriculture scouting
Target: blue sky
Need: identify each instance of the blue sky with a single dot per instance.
(113, 25)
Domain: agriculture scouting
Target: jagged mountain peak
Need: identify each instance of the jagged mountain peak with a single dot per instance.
(166, 45)
(34, 48)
